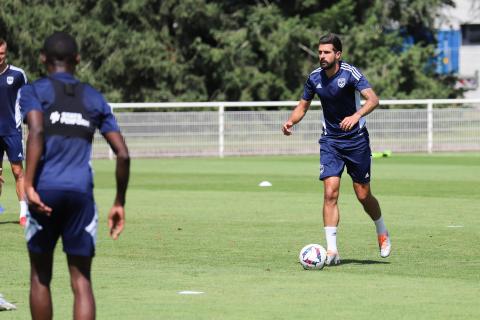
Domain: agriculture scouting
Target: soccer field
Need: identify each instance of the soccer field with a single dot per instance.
(204, 225)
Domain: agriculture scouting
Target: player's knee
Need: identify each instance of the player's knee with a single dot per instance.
(41, 280)
(365, 197)
(362, 196)
(81, 286)
(363, 193)
(330, 197)
(18, 172)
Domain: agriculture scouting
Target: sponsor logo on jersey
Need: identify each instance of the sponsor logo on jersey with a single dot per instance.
(9, 80)
(54, 117)
(341, 82)
(69, 118)
(319, 86)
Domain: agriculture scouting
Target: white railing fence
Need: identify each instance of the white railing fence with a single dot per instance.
(233, 128)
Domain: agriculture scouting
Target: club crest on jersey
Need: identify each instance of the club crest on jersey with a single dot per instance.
(9, 80)
(341, 82)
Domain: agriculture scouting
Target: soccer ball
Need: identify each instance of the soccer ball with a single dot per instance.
(312, 256)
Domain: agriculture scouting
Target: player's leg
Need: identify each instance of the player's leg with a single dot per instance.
(1, 183)
(331, 217)
(2, 151)
(14, 148)
(80, 277)
(40, 278)
(18, 173)
(331, 191)
(78, 237)
(358, 163)
(42, 233)
(369, 202)
(331, 169)
(372, 208)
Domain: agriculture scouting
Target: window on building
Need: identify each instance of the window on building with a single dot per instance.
(471, 34)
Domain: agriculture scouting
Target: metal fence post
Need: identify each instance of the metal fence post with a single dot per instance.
(430, 126)
(221, 130)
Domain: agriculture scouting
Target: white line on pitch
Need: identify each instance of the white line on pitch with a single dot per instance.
(190, 292)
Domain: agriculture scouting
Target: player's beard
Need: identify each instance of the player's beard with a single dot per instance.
(327, 66)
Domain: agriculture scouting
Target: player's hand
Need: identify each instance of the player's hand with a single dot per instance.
(36, 203)
(287, 128)
(349, 122)
(116, 221)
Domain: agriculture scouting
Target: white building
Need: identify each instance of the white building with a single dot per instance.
(462, 23)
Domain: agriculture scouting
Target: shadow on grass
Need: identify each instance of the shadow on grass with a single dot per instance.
(356, 261)
(8, 222)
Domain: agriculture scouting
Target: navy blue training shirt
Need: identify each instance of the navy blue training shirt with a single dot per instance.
(339, 95)
(65, 163)
(11, 80)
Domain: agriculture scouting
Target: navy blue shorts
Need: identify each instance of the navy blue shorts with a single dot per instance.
(354, 153)
(13, 146)
(74, 217)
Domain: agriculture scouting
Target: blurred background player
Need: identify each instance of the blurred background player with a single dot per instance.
(11, 80)
(344, 140)
(62, 115)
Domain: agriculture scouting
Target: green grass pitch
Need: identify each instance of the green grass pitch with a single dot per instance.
(205, 225)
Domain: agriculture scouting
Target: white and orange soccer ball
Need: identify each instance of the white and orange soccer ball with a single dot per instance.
(312, 256)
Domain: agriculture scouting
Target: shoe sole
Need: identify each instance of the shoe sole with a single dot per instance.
(334, 262)
(388, 255)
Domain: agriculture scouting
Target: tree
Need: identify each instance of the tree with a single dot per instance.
(197, 50)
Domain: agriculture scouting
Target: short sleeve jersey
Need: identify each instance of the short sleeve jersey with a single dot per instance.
(11, 80)
(339, 96)
(65, 163)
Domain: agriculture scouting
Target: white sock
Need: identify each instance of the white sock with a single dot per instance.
(331, 236)
(23, 208)
(380, 226)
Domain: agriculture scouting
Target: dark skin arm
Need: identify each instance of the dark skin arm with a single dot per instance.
(34, 152)
(116, 216)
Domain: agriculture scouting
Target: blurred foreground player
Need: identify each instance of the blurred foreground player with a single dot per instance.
(62, 115)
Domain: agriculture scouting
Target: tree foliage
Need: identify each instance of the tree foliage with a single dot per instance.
(197, 50)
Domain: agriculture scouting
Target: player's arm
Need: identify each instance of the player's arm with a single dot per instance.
(35, 142)
(296, 116)
(116, 216)
(371, 102)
